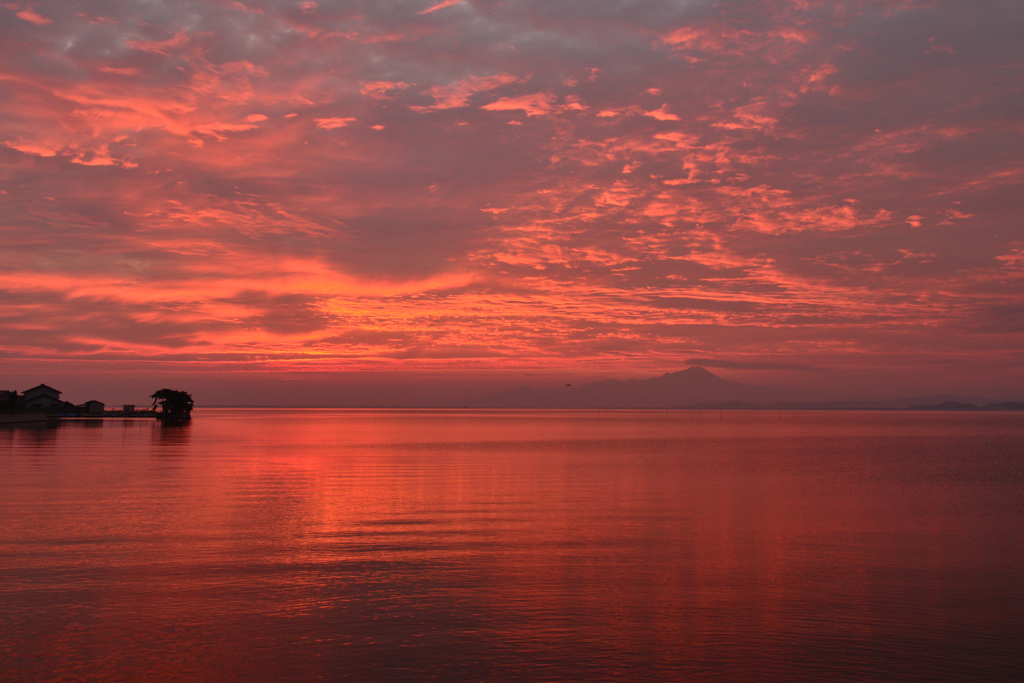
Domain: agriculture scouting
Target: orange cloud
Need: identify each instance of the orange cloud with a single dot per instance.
(537, 104)
(378, 90)
(333, 122)
(441, 5)
(662, 114)
(33, 17)
(457, 94)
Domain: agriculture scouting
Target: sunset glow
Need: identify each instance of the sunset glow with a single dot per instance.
(486, 185)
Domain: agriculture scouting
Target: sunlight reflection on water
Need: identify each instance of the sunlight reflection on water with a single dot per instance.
(514, 545)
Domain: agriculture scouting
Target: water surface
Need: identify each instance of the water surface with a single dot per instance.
(265, 545)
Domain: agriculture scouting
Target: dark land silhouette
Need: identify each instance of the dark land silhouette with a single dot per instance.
(173, 404)
(43, 402)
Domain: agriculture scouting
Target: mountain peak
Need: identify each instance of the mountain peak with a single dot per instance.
(694, 371)
(691, 386)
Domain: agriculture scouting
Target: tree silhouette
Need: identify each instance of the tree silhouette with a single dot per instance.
(173, 402)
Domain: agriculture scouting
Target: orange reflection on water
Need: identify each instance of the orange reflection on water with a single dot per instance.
(410, 545)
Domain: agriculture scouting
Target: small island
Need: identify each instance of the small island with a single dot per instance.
(171, 404)
(43, 403)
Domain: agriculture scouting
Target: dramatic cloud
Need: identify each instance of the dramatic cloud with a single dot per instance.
(334, 185)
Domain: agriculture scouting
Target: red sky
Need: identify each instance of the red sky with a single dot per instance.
(806, 193)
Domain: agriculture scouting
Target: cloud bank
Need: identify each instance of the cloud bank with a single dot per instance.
(357, 185)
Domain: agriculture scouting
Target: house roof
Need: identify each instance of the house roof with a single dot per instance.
(43, 389)
(42, 397)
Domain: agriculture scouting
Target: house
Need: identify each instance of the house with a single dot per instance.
(41, 397)
(91, 407)
(128, 408)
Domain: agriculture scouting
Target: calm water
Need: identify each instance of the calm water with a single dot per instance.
(515, 546)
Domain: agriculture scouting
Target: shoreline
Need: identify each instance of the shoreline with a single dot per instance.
(22, 418)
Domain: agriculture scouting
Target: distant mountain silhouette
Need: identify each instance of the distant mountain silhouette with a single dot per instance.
(946, 405)
(690, 387)
(955, 405)
(915, 402)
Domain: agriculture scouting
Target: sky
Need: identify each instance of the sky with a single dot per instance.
(806, 193)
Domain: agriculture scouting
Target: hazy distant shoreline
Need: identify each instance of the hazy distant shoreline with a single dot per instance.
(692, 389)
(1008, 406)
